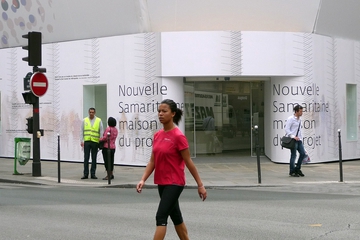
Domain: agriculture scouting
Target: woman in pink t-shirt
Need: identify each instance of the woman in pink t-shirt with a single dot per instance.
(169, 156)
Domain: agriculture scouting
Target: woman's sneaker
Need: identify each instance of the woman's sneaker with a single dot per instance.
(299, 172)
(294, 174)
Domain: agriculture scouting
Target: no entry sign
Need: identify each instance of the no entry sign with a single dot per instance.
(39, 84)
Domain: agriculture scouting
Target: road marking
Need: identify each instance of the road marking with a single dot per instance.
(315, 225)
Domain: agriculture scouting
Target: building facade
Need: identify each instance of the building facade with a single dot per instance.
(240, 78)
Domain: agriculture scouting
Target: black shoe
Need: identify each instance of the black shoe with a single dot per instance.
(106, 178)
(93, 177)
(299, 172)
(84, 177)
(294, 174)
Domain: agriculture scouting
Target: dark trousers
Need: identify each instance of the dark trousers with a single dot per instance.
(300, 148)
(169, 205)
(90, 147)
(108, 158)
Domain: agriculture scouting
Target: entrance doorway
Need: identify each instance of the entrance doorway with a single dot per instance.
(95, 96)
(220, 116)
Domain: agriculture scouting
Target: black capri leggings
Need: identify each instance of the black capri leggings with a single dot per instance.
(169, 205)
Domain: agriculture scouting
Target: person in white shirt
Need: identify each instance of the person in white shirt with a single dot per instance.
(293, 130)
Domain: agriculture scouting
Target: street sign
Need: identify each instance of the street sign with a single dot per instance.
(39, 84)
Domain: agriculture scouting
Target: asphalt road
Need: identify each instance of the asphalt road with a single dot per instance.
(299, 212)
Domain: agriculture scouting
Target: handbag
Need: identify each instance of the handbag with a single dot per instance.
(288, 142)
(101, 145)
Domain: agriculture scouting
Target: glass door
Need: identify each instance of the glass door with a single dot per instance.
(219, 117)
(208, 117)
(236, 128)
(189, 117)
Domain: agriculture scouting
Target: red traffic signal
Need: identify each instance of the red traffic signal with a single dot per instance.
(34, 48)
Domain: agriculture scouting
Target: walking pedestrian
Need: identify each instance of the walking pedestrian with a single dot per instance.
(293, 130)
(170, 154)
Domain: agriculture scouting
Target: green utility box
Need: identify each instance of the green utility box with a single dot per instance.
(22, 152)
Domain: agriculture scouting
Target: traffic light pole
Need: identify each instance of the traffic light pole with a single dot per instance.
(34, 60)
(36, 166)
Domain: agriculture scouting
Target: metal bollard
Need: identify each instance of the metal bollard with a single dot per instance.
(256, 129)
(340, 157)
(109, 159)
(58, 139)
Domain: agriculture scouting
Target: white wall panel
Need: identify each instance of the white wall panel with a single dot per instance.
(272, 53)
(194, 53)
(231, 54)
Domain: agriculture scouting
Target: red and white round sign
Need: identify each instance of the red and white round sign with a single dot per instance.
(39, 84)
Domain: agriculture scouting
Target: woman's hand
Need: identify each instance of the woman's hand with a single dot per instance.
(139, 186)
(202, 192)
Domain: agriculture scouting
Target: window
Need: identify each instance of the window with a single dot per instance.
(351, 112)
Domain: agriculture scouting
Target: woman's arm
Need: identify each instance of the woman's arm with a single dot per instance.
(104, 136)
(148, 170)
(192, 168)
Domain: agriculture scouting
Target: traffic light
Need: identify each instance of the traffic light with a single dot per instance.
(34, 48)
(29, 97)
(30, 125)
(27, 81)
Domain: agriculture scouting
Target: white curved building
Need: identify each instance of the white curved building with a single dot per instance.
(244, 62)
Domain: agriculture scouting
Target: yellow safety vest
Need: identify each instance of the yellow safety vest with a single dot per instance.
(92, 133)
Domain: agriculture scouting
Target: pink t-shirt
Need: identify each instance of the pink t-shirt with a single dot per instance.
(169, 165)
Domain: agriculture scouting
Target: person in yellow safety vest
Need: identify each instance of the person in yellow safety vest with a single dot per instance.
(91, 130)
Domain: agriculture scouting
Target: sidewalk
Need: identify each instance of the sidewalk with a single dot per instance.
(215, 171)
